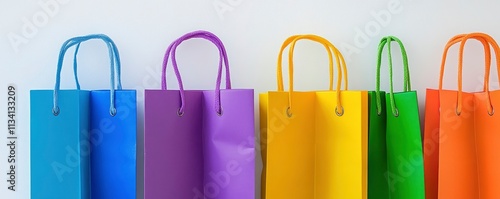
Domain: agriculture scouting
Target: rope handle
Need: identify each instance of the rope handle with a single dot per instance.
(487, 41)
(331, 50)
(407, 84)
(114, 68)
(171, 51)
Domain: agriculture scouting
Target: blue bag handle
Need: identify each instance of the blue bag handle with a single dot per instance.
(114, 62)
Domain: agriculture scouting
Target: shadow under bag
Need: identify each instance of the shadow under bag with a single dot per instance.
(83, 142)
(199, 144)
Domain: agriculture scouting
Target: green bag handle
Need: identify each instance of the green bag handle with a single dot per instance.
(407, 85)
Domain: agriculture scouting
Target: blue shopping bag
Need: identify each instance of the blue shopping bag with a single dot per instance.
(83, 142)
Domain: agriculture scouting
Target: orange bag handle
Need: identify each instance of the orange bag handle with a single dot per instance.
(486, 40)
(496, 48)
(453, 41)
(341, 67)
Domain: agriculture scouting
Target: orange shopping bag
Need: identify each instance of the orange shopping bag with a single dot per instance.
(460, 136)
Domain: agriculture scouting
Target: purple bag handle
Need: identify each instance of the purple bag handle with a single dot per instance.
(223, 59)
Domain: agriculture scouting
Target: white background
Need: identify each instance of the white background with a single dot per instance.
(252, 30)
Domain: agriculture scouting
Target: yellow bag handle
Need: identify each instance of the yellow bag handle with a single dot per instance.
(341, 67)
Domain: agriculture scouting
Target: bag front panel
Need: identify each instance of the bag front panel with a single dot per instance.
(60, 148)
(457, 149)
(341, 145)
(229, 145)
(173, 145)
(404, 147)
(487, 144)
(114, 144)
(290, 146)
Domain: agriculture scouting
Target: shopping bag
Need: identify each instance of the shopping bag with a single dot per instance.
(199, 143)
(314, 143)
(431, 130)
(465, 164)
(396, 168)
(72, 131)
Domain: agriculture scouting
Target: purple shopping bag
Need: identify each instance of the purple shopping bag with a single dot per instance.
(199, 144)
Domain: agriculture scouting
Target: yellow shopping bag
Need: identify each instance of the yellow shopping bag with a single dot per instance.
(314, 143)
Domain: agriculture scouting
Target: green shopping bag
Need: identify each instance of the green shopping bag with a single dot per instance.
(395, 156)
